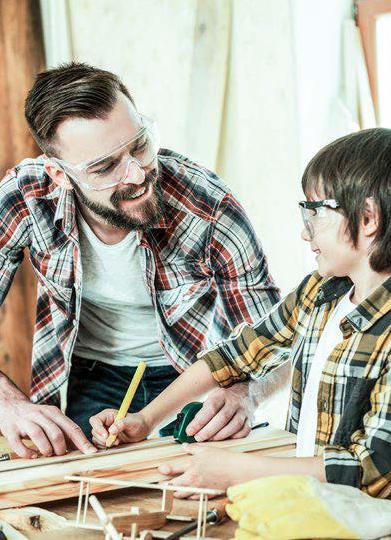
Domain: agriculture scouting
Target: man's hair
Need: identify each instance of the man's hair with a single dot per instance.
(349, 170)
(74, 90)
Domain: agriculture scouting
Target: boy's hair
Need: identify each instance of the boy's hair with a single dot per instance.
(74, 90)
(350, 170)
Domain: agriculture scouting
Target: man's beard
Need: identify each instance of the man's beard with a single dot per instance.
(151, 211)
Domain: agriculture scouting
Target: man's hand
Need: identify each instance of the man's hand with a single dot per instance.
(47, 427)
(227, 413)
(132, 428)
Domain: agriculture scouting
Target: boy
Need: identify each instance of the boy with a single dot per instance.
(336, 327)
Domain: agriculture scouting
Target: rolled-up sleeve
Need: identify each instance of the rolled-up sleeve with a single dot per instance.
(13, 232)
(256, 350)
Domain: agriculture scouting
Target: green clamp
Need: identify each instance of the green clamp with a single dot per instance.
(177, 428)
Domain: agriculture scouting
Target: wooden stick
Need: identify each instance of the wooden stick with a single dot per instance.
(123, 410)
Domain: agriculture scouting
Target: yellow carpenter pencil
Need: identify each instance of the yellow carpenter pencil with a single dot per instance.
(123, 410)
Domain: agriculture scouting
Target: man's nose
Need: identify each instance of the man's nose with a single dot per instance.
(134, 174)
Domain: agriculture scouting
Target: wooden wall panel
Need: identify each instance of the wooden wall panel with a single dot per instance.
(367, 13)
(21, 57)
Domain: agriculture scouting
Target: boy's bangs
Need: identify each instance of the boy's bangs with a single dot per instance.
(317, 180)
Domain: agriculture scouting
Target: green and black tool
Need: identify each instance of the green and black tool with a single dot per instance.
(177, 428)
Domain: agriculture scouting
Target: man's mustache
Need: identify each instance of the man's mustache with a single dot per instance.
(127, 193)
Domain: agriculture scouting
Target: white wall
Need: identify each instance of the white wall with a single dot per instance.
(252, 88)
(322, 113)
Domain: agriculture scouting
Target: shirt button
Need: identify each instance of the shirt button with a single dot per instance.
(74, 322)
(325, 405)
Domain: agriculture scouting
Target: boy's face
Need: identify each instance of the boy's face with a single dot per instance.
(335, 253)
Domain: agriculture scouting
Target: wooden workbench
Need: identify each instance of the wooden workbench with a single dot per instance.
(121, 500)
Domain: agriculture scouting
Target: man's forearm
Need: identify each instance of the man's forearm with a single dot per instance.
(9, 391)
(191, 384)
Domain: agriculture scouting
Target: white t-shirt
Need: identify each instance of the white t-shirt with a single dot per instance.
(117, 321)
(331, 336)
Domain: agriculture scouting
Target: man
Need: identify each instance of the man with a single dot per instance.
(140, 254)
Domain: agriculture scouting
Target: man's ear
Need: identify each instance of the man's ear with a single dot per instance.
(370, 221)
(56, 174)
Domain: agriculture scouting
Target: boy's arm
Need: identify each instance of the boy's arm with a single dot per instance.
(252, 351)
(190, 385)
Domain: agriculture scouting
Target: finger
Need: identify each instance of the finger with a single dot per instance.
(222, 418)
(128, 424)
(205, 415)
(243, 432)
(39, 438)
(174, 468)
(96, 438)
(185, 480)
(16, 444)
(236, 425)
(98, 443)
(101, 421)
(71, 430)
(54, 435)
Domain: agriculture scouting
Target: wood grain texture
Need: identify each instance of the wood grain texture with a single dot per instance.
(368, 11)
(21, 57)
(31, 485)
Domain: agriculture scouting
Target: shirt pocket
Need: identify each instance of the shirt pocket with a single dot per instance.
(54, 273)
(357, 403)
(174, 303)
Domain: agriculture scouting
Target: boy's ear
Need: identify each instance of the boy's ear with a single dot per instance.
(56, 174)
(370, 221)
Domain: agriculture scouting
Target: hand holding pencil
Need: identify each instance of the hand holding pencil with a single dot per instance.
(111, 427)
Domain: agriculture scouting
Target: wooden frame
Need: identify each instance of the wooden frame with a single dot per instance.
(26, 482)
(367, 12)
(138, 521)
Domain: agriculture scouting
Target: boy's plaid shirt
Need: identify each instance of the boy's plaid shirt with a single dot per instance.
(354, 397)
(203, 264)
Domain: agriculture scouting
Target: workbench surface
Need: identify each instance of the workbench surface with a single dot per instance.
(120, 501)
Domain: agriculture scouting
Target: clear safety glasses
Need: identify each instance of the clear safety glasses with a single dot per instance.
(316, 214)
(127, 159)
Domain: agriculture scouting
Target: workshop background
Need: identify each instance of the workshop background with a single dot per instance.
(249, 88)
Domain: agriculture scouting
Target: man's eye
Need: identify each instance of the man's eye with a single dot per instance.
(109, 167)
(140, 147)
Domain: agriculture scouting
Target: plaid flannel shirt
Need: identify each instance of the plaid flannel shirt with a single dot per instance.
(203, 265)
(354, 398)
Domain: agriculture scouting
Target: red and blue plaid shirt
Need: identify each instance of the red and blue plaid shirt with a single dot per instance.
(203, 265)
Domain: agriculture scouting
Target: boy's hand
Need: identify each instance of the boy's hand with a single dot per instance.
(132, 428)
(226, 414)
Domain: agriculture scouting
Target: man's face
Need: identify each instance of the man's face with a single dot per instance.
(80, 140)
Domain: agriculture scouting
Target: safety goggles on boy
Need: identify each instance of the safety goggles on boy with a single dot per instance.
(111, 169)
(316, 214)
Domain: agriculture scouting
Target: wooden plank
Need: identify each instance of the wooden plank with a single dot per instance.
(37, 484)
(368, 11)
(76, 455)
(21, 57)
